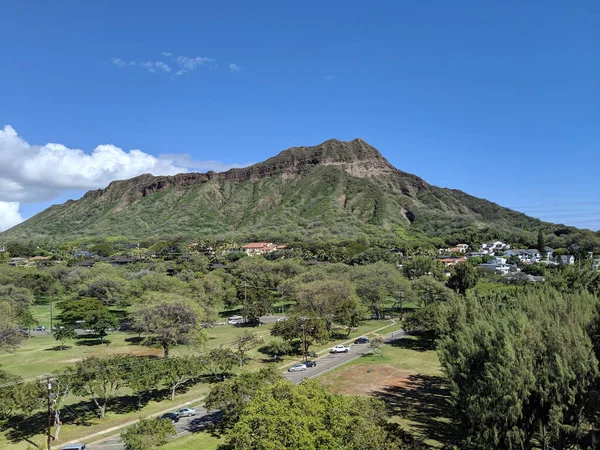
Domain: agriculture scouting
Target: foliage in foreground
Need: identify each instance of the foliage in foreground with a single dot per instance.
(147, 434)
(522, 368)
(308, 416)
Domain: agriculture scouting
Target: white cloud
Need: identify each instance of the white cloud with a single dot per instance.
(163, 66)
(234, 67)
(39, 173)
(167, 54)
(329, 77)
(9, 215)
(119, 62)
(191, 63)
(186, 160)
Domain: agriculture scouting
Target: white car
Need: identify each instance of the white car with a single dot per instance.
(297, 368)
(339, 349)
(186, 412)
(233, 322)
(236, 318)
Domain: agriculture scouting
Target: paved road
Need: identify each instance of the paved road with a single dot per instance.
(203, 418)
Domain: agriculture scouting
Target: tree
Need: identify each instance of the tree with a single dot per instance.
(429, 291)
(101, 321)
(178, 371)
(144, 377)
(284, 415)
(520, 367)
(464, 278)
(147, 434)
(169, 322)
(423, 265)
(61, 389)
(541, 242)
(10, 337)
(101, 379)
(246, 341)
(375, 344)
(301, 332)
(219, 361)
(64, 334)
(231, 396)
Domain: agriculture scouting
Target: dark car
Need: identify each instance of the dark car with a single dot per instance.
(173, 417)
(362, 340)
(310, 364)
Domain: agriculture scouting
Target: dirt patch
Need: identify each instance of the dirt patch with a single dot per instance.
(72, 360)
(367, 380)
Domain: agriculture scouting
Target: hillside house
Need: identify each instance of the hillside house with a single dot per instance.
(549, 253)
(490, 248)
(596, 264)
(567, 260)
(260, 248)
(497, 265)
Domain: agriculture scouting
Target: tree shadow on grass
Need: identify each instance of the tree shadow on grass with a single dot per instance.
(134, 340)
(414, 341)
(425, 401)
(58, 348)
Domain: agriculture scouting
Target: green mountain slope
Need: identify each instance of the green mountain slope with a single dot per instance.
(335, 188)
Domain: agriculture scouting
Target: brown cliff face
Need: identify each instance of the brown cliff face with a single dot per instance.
(356, 157)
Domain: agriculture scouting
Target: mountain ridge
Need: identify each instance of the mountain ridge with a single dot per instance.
(336, 188)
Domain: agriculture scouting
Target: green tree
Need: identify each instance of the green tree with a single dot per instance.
(219, 361)
(423, 265)
(464, 278)
(64, 334)
(244, 342)
(520, 367)
(101, 379)
(178, 371)
(541, 242)
(10, 337)
(375, 344)
(101, 320)
(169, 320)
(147, 434)
(231, 396)
(308, 416)
(144, 377)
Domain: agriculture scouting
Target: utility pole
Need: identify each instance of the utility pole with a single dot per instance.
(245, 299)
(49, 411)
(304, 342)
(50, 316)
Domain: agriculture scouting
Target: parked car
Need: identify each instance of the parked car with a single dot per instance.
(297, 368)
(362, 340)
(339, 349)
(173, 417)
(74, 447)
(186, 412)
(40, 328)
(233, 322)
(310, 364)
(236, 318)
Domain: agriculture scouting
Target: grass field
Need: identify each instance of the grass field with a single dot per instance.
(408, 377)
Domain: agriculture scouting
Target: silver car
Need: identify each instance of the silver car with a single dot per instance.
(186, 412)
(297, 368)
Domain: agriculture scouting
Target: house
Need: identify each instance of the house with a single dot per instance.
(17, 262)
(565, 260)
(40, 260)
(549, 253)
(259, 248)
(490, 247)
(497, 265)
(596, 264)
(462, 248)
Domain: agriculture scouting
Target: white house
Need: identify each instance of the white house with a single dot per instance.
(498, 265)
(596, 264)
(491, 247)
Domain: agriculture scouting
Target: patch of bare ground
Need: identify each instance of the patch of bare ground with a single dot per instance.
(363, 380)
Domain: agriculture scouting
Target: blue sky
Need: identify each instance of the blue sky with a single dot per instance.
(499, 99)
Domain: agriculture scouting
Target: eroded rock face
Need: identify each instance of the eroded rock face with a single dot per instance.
(356, 157)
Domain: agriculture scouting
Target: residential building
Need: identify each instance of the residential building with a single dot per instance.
(259, 248)
(565, 260)
(497, 265)
(596, 264)
(490, 248)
